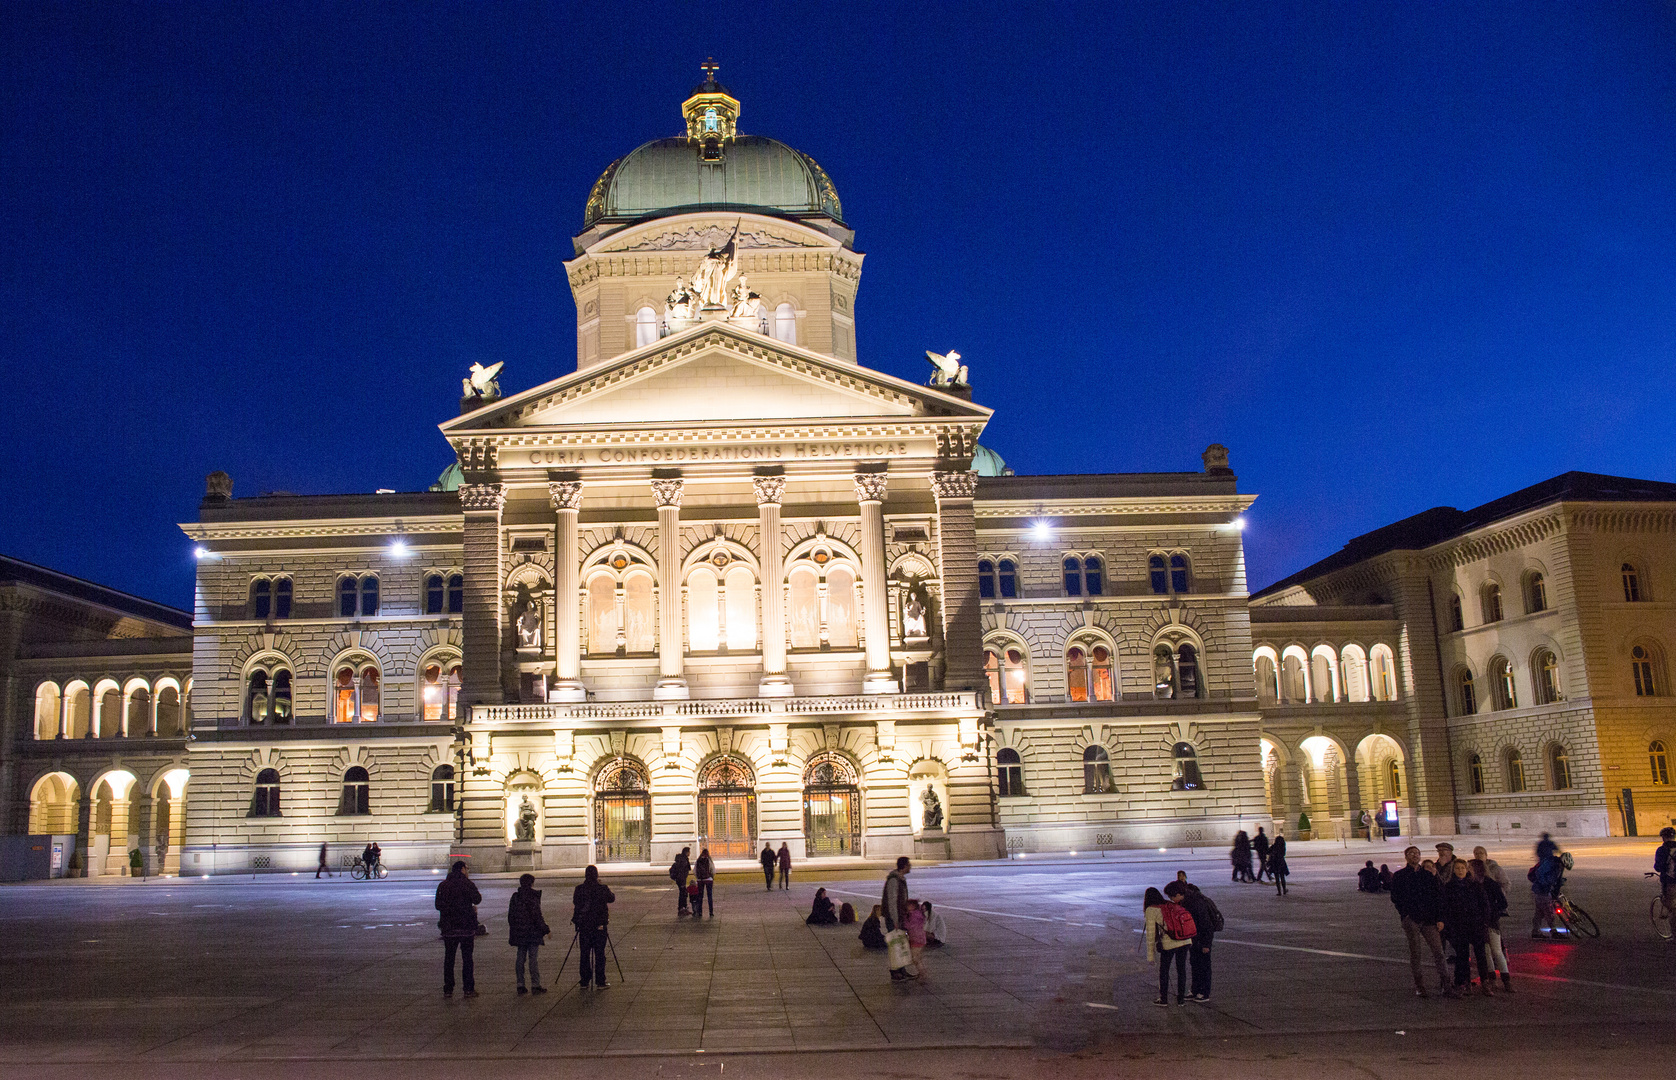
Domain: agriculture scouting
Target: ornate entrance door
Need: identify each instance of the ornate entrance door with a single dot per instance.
(727, 809)
(831, 807)
(622, 813)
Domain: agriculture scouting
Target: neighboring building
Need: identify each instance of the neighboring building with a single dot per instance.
(720, 586)
(95, 703)
(1501, 670)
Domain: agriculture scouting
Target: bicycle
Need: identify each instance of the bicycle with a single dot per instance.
(1574, 918)
(1660, 913)
(360, 871)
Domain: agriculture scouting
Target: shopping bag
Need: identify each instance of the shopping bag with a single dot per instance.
(896, 948)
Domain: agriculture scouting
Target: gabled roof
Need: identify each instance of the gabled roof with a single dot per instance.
(18, 572)
(1441, 523)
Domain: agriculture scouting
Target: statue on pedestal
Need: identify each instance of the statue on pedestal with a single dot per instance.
(949, 371)
(913, 618)
(744, 300)
(716, 272)
(483, 382)
(682, 304)
(933, 818)
(525, 831)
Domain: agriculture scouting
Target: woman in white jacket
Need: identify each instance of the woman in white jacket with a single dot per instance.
(1165, 949)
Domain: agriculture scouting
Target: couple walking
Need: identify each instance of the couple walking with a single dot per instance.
(770, 860)
(702, 883)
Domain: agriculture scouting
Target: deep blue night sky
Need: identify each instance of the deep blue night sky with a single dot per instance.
(1393, 255)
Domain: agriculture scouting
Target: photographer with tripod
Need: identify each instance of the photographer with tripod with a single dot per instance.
(592, 919)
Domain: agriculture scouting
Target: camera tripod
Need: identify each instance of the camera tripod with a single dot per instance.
(576, 935)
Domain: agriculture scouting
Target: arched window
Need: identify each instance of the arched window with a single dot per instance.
(1321, 675)
(1514, 764)
(1187, 775)
(1641, 666)
(602, 615)
(1501, 684)
(986, 579)
(369, 595)
(137, 717)
(1457, 613)
(1088, 672)
(1268, 679)
(1096, 771)
(785, 324)
(1179, 573)
(1384, 673)
(1294, 686)
(355, 689)
(1073, 576)
(442, 789)
(267, 696)
(1632, 582)
(741, 586)
(1466, 697)
(349, 597)
(436, 592)
(1659, 760)
(48, 709)
(439, 689)
(1559, 768)
(645, 327)
(1158, 573)
(1084, 577)
(1175, 670)
(1009, 680)
(1393, 775)
(1546, 671)
(356, 796)
(265, 801)
(804, 614)
(1006, 572)
(261, 598)
(841, 630)
(1475, 774)
(456, 593)
(703, 623)
(1492, 602)
(1009, 772)
(1536, 592)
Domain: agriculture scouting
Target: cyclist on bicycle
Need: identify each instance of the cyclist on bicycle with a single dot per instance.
(1664, 864)
(369, 855)
(1545, 878)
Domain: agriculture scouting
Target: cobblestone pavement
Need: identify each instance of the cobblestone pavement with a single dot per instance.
(288, 976)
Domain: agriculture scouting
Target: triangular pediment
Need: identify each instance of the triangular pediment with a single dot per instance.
(715, 373)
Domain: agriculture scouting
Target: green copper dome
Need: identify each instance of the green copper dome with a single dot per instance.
(670, 175)
(987, 462)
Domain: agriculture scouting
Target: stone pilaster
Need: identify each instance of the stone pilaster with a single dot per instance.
(567, 643)
(671, 648)
(775, 681)
(957, 552)
(875, 613)
(480, 674)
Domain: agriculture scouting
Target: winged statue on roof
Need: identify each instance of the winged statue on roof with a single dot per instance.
(483, 382)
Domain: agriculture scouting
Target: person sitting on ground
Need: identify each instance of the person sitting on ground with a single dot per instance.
(824, 912)
(1385, 876)
(936, 928)
(846, 914)
(872, 929)
(1367, 878)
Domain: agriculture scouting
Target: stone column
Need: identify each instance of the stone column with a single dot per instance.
(116, 856)
(84, 833)
(957, 553)
(775, 681)
(143, 812)
(480, 674)
(671, 648)
(567, 644)
(875, 614)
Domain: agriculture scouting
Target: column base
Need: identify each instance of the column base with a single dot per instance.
(778, 685)
(881, 682)
(670, 688)
(567, 690)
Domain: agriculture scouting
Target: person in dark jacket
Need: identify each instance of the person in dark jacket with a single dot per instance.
(1277, 863)
(1367, 878)
(1260, 844)
(457, 899)
(592, 918)
(1545, 878)
(1240, 856)
(1466, 923)
(872, 929)
(768, 861)
(1498, 908)
(785, 865)
(678, 870)
(526, 929)
(1385, 877)
(1204, 915)
(1418, 898)
(824, 912)
(704, 871)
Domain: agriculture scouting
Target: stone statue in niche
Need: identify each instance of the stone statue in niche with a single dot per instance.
(933, 817)
(716, 272)
(913, 618)
(681, 304)
(528, 620)
(525, 829)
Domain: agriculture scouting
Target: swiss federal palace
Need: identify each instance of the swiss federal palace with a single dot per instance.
(722, 586)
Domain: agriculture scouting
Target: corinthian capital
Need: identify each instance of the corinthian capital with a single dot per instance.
(954, 485)
(769, 488)
(566, 494)
(667, 492)
(870, 487)
(482, 497)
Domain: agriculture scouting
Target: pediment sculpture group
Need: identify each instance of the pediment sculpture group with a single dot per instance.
(717, 284)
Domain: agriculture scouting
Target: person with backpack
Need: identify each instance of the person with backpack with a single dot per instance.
(1207, 920)
(526, 929)
(1545, 877)
(704, 875)
(1277, 863)
(592, 902)
(678, 871)
(1169, 932)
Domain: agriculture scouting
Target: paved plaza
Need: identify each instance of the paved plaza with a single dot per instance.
(288, 976)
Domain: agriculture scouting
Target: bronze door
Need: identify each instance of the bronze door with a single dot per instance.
(832, 820)
(623, 827)
(727, 823)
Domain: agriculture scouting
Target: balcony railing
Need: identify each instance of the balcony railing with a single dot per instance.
(728, 708)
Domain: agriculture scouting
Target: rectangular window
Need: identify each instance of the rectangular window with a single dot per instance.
(1093, 578)
(282, 598)
(369, 595)
(348, 597)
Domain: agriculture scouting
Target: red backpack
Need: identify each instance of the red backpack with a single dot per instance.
(1178, 922)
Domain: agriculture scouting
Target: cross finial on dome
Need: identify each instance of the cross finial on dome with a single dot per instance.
(710, 67)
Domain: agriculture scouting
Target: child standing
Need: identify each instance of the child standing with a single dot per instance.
(915, 926)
